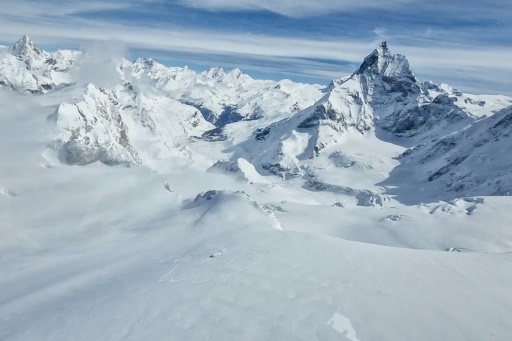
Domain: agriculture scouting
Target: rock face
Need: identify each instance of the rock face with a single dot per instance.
(441, 116)
(471, 162)
(93, 130)
(386, 81)
(124, 126)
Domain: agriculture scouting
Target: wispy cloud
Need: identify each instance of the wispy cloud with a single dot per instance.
(51, 8)
(444, 55)
(293, 8)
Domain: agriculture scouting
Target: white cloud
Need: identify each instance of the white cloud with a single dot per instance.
(99, 60)
(51, 8)
(292, 8)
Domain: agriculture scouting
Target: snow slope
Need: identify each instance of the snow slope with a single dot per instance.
(116, 255)
(127, 212)
(470, 162)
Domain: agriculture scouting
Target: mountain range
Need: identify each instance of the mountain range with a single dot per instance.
(153, 112)
(142, 201)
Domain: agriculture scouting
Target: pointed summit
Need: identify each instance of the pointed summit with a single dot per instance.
(383, 45)
(25, 49)
(383, 63)
(215, 72)
(382, 50)
(237, 73)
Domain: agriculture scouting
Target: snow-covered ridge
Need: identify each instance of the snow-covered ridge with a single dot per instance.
(224, 97)
(470, 162)
(150, 113)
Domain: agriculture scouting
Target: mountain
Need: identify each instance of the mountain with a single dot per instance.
(146, 202)
(24, 67)
(382, 93)
(124, 125)
(469, 162)
(153, 110)
(223, 97)
(26, 50)
(150, 113)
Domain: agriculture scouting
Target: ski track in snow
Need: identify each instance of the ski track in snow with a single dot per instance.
(227, 268)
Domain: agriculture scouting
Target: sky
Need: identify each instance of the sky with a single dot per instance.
(465, 43)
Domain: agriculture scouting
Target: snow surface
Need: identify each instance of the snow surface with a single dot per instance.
(179, 205)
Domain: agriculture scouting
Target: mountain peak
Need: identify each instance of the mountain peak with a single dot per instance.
(25, 48)
(383, 63)
(237, 73)
(374, 63)
(382, 48)
(25, 40)
(215, 72)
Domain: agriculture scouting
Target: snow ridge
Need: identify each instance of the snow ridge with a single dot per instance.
(153, 113)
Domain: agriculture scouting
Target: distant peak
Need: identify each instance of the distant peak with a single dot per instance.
(25, 47)
(145, 61)
(236, 73)
(24, 41)
(215, 72)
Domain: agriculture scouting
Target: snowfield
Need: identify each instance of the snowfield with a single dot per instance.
(175, 205)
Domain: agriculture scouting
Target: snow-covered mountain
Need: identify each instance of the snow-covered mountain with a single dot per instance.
(140, 201)
(471, 162)
(151, 112)
(143, 115)
(24, 67)
(382, 93)
(124, 125)
(224, 97)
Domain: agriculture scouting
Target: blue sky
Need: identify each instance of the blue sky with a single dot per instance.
(467, 44)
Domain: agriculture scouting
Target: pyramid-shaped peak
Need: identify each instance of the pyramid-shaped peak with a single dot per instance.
(381, 53)
(236, 72)
(215, 72)
(24, 40)
(25, 47)
(383, 63)
(382, 48)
